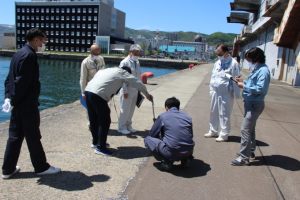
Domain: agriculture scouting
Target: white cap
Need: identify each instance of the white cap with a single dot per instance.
(135, 47)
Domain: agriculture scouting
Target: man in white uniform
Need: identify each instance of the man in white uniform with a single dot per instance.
(222, 92)
(128, 95)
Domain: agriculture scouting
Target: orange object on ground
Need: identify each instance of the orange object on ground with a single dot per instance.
(145, 76)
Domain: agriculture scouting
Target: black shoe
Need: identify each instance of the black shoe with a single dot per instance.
(165, 165)
(185, 163)
(240, 162)
(252, 156)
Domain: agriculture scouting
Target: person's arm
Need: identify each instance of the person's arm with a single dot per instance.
(261, 85)
(83, 77)
(156, 128)
(23, 79)
(103, 63)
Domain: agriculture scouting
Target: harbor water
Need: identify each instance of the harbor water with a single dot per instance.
(59, 81)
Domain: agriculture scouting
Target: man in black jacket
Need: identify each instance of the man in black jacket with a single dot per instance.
(22, 90)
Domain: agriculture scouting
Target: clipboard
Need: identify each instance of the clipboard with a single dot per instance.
(140, 99)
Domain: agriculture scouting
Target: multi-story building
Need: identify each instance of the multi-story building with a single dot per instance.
(200, 48)
(71, 25)
(273, 26)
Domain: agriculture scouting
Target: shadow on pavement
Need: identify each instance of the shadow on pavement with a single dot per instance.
(71, 181)
(281, 161)
(131, 152)
(237, 139)
(198, 168)
(142, 134)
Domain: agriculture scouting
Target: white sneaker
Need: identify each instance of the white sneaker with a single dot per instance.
(222, 139)
(50, 170)
(93, 146)
(132, 130)
(124, 131)
(17, 170)
(210, 134)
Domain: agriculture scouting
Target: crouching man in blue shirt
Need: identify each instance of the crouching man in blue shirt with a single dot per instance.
(171, 136)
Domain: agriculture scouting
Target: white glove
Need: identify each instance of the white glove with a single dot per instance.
(6, 107)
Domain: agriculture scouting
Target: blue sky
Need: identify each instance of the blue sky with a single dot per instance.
(204, 16)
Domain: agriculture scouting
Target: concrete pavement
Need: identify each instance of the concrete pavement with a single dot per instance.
(66, 139)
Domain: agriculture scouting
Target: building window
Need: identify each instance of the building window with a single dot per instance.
(32, 25)
(83, 18)
(68, 10)
(83, 33)
(73, 18)
(88, 41)
(23, 17)
(27, 18)
(89, 34)
(67, 49)
(32, 10)
(89, 26)
(62, 10)
(56, 33)
(67, 33)
(90, 10)
(82, 41)
(72, 33)
(47, 17)
(62, 25)
(52, 10)
(27, 10)
(67, 41)
(78, 10)
(68, 18)
(72, 41)
(61, 41)
(23, 10)
(78, 18)
(77, 41)
(72, 49)
(61, 48)
(95, 18)
(32, 18)
(18, 10)
(72, 25)
(95, 26)
(57, 10)
(84, 10)
(90, 18)
(78, 26)
(52, 25)
(52, 17)
(42, 18)
(37, 17)
(67, 25)
(83, 25)
(94, 33)
(62, 18)
(95, 10)
(73, 10)
(56, 40)
(57, 18)
(51, 32)
(18, 17)
(77, 33)
(56, 25)
(18, 24)
(77, 49)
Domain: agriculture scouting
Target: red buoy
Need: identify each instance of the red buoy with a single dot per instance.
(145, 76)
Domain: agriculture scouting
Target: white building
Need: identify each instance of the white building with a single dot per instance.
(273, 26)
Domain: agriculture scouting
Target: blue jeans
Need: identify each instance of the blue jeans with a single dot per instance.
(252, 111)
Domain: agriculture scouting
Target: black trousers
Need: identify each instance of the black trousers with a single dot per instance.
(99, 117)
(24, 123)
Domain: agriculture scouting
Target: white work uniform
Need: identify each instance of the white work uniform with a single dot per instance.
(222, 92)
(127, 106)
(89, 68)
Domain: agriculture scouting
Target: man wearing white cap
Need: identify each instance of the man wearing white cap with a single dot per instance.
(128, 95)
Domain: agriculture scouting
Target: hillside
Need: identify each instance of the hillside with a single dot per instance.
(212, 39)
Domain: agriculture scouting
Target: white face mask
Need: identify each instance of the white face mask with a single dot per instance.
(134, 58)
(251, 66)
(42, 49)
(94, 57)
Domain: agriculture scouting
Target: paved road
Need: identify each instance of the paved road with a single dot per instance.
(274, 175)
